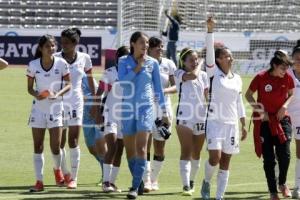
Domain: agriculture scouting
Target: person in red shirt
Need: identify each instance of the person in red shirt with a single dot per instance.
(272, 127)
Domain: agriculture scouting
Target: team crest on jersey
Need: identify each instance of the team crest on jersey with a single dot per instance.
(47, 75)
(148, 68)
(268, 88)
(165, 70)
(56, 71)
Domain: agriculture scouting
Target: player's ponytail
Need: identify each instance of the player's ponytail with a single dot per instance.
(73, 34)
(296, 49)
(41, 43)
(122, 51)
(280, 57)
(134, 37)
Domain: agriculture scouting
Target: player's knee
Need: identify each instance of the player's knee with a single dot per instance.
(213, 161)
(38, 148)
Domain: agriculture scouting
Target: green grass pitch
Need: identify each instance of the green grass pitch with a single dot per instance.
(247, 180)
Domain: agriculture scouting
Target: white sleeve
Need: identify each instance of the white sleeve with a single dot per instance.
(210, 55)
(240, 105)
(88, 63)
(178, 75)
(106, 77)
(205, 80)
(65, 69)
(172, 68)
(30, 70)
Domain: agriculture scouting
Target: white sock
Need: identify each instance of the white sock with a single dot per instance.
(63, 164)
(106, 172)
(185, 170)
(114, 174)
(156, 167)
(297, 174)
(57, 160)
(209, 171)
(146, 175)
(75, 160)
(194, 169)
(38, 162)
(222, 181)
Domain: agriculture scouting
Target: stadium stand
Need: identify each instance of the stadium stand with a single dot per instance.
(55, 14)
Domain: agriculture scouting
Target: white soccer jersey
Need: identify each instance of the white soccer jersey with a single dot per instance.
(81, 64)
(226, 103)
(294, 106)
(112, 107)
(191, 99)
(51, 79)
(166, 68)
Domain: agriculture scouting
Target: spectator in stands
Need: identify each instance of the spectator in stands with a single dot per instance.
(3, 64)
(272, 126)
(172, 34)
(294, 111)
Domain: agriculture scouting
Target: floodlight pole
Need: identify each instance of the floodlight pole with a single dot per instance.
(119, 24)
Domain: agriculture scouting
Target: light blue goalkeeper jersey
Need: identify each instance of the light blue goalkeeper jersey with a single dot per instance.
(139, 91)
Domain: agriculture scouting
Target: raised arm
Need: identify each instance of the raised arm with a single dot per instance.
(210, 51)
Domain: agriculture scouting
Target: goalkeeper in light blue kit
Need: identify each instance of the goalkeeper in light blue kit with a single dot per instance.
(139, 77)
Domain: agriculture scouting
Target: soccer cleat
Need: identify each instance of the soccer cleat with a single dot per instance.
(116, 189)
(59, 177)
(132, 194)
(192, 186)
(155, 186)
(186, 191)
(67, 179)
(286, 193)
(38, 187)
(147, 186)
(72, 184)
(296, 193)
(274, 196)
(205, 190)
(106, 187)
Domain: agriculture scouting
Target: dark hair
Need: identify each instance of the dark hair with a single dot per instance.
(280, 57)
(154, 42)
(72, 34)
(219, 51)
(296, 48)
(183, 55)
(41, 43)
(134, 37)
(121, 51)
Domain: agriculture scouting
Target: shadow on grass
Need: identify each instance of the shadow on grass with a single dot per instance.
(251, 195)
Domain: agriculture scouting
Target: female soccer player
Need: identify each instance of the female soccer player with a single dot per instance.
(274, 89)
(139, 76)
(93, 134)
(166, 69)
(112, 120)
(3, 63)
(294, 111)
(80, 64)
(192, 85)
(46, 72)
(224, 110)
